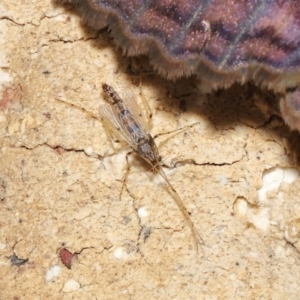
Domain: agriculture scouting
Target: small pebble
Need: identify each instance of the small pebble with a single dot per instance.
(52, 273)
(71, 286)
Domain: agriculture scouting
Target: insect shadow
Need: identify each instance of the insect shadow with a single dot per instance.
(124, 118)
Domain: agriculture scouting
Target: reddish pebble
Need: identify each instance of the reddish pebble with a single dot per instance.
(59, 150)
(66, 257)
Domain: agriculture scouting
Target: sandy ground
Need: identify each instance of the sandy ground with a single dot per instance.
(236, 169)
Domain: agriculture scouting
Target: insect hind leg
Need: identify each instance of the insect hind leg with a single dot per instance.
(124, 178)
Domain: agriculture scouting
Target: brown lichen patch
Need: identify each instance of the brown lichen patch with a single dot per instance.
(9, 95)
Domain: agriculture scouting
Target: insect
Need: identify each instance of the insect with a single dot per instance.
(125, 118)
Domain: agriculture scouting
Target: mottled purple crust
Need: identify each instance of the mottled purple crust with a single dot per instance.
(219, 41)
(290, 109)
(213, 39)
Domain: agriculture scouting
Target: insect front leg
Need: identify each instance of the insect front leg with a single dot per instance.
(147, 109)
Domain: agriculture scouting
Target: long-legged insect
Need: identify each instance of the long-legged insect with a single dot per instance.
(126, 119)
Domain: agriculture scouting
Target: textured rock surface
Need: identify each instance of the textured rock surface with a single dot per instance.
(60, 178)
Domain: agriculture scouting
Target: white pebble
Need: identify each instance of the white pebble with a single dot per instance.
(71, 286)
(272, 179)
(143, 212)
(119, 253)
(88, 150)
(52, 273)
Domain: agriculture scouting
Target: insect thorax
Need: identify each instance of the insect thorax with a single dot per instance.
(147, 149)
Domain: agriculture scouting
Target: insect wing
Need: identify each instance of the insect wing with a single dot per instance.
(130, 102)
(110, 117)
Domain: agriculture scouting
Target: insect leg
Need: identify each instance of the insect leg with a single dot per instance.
(125, 174)
(80, 108)
(145, 105)
(176, 131)
(197, 237)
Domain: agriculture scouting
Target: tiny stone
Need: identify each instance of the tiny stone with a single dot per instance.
(52, 273)
(143, 212)
(119, 253)
(71, 286)
(89, 151)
